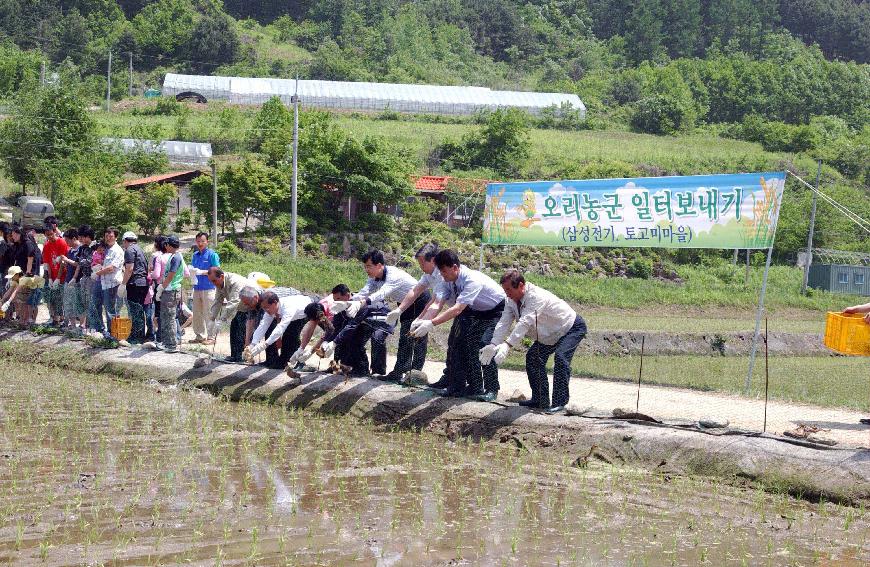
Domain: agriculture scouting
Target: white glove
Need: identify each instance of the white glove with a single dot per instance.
(501, 353)
(353, 308)
(160, 290)
(96, 268)
(303, 354)
(55, 284)
(486, 354)
(217, 327)
(57, 260)
(5, 307)
(199, 272)
(122, 291)
(340, 306)
(256, 349)
(393, 316)
(328, 349)
(192, 277)
(415, 324)
(423, 329)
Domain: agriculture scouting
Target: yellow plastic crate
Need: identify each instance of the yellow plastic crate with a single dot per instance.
(847, 333)
(121, 328)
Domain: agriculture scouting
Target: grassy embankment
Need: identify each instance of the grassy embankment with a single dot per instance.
(551, 151)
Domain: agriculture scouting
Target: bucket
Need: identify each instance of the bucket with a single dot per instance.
(121, 328)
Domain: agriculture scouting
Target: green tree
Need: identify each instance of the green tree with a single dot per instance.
(47, 123)
(255, 190)
(201, 195)
(162, 28)
(501, 144)
(213, 41)
(272, 132)
(643, 31)
(153, 216)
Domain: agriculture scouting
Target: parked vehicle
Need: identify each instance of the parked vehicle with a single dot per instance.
(32, 210)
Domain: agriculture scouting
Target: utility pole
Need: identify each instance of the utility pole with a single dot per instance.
(809, 258)
(293, 186)
(214, 207)
(131, 74)
(109, 84)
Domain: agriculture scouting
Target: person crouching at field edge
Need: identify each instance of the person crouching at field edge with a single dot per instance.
(556, 330)
(479, 303)
(279, 330)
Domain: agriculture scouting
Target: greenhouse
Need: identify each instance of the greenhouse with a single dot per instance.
(179, 153)
(432, 99)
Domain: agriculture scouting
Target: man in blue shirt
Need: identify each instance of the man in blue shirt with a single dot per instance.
(478, 303)
(203, 292)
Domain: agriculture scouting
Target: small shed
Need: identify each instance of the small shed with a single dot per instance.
(437, 187)
(181, 180)
(840, 278)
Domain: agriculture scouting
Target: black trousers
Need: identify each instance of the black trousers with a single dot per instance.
(563, 351)
(350, 341)
(411, 352)
(278, 357)
(238, 326)
(475, 331)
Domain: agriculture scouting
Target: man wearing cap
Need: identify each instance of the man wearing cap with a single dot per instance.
(13, 276)
(53, 250)
(228, 309)
(278, 332)
(554, 326)
(169, 291)
(134, 286)
(203, 291)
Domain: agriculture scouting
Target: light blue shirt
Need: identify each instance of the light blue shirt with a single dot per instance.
(392, 286)
(472, 288)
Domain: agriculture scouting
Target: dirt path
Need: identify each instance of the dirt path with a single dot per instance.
(666, 403)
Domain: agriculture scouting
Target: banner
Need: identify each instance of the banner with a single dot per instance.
(696, 211)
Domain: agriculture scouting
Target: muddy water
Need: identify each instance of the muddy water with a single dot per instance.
(100, 471)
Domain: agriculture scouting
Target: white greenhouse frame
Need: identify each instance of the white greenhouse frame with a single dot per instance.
(181, 153)
(432, 99)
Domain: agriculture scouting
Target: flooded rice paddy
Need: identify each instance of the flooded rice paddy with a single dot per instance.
(95, 470)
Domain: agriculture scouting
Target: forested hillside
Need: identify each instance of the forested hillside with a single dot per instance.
(792, 76)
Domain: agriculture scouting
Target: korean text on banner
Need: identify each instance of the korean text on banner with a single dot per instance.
(696, 211)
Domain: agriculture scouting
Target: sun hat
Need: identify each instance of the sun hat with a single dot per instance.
(261, 279)
(13, 271)
(130, 236)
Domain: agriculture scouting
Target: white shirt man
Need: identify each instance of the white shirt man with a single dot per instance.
(556, 329)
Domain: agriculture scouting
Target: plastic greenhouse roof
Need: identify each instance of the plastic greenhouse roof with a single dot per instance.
(185, 153)
(366, 96)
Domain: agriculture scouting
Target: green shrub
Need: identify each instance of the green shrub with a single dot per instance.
(228, 251)
(662, 114)
(641, 268)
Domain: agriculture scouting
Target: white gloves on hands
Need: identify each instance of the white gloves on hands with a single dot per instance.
(122, 291)
(339, 306)
(301, 354)
(198, 272)
(54, 284)
(328, 349)
(5, 307)
(352, 307)
(217, 327)
(501, 353)
(160, 291)
(423, 329)
(393, 316)
(486, 354)
(254, 350)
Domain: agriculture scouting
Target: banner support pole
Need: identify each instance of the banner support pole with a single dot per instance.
(758, 320)
(480, 263)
